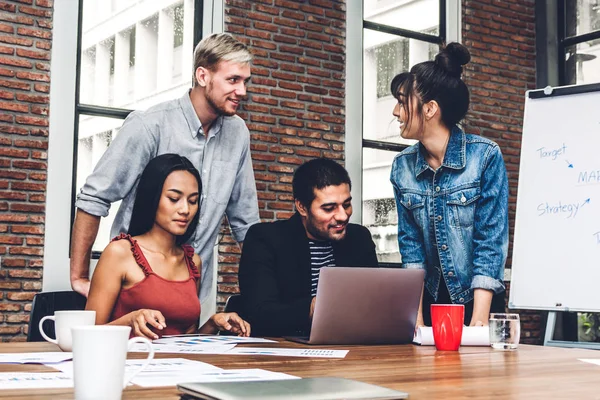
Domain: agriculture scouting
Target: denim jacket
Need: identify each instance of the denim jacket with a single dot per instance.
(454, 221)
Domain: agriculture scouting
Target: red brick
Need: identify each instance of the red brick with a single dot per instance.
(29, 165)
(15, 62)
(20, 296)
(30, 76)
(30, 208)
(10, 307)
(36, 11)
(13, 262)
(25, 120)
(17, 153)
(17, 19)
(11, 240)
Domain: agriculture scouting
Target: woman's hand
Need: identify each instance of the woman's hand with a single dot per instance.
(140, 319)
(231, 322)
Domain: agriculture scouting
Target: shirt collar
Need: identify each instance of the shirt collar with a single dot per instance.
(192, 118)
(455, 156)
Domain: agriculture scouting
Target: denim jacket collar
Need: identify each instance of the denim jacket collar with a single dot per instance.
(454, 158)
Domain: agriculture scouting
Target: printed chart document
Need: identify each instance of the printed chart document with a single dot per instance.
(34, 380)
(471, 336)
(272, 351)
(208, 340)
(190, 349)
(160, 371)
(34, 358)
(157, 366)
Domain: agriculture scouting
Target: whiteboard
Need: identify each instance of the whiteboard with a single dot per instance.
(556, 249)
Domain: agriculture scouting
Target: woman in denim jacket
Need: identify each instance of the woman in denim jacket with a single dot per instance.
(451, 192)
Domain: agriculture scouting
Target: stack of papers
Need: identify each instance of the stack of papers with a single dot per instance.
(34, 358)
(471, 336)
(171, 371)
(34, 380)
(273, 351)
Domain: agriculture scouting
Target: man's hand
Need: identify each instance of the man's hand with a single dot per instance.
(85, 229)
(81, 286)
(231, 322)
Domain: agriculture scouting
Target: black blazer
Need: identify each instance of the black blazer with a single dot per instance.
(275, 273)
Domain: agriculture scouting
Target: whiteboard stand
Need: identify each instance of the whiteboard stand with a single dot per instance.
(549, 341)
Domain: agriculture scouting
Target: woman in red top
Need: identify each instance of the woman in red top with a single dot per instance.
(148, 279)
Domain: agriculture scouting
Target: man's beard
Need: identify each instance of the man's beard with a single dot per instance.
(320, 235)
(220, 110)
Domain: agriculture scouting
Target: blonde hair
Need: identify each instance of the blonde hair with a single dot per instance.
(216, 48)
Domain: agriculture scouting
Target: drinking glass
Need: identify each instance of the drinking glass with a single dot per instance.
(505, 331)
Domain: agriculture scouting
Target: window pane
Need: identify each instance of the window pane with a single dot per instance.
(583, 62)
(379, 206)
(415, 15)
(132, 52)
(95, 135)
(385, 56)
(582, 16)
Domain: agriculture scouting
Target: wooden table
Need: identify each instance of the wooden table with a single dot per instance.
(531, 372)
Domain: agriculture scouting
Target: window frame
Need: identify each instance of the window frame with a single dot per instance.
(565, 41)
(450, 26)
(65, 109)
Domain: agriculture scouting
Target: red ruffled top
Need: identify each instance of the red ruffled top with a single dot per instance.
(176, 300)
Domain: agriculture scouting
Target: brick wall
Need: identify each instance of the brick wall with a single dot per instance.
(296, 104)
(295, 112)
(25, 41)
(501, 38)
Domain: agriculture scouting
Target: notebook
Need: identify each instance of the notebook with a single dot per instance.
(294, 389)
(365, 306)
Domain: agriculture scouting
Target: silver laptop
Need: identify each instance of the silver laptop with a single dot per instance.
(293, 389)
(365, 306)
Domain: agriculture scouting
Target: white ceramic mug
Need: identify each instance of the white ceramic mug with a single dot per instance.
(99, 354)
(63, 322)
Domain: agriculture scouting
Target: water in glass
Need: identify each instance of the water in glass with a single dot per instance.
(505, 331)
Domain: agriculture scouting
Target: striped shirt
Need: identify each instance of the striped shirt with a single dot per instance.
(321, 255)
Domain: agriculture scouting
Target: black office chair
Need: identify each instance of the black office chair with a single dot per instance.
(234, 304)
(47, 303)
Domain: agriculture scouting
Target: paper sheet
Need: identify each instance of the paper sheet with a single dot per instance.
(591, 360)
(171, 371)
(34, 358)
(189, 349)
(272, 351)
(232, 375)
(471, 336)
(193, 340)
(156, 366)
(34, 380)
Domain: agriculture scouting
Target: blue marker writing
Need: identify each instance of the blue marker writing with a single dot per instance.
(553, 153)
(570, 209)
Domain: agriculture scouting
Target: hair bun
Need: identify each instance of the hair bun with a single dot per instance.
(452, 58)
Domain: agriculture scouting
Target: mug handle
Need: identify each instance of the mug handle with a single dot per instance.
(47, 317)
(148, 344)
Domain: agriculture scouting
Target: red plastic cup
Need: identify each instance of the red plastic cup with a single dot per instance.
(447, 322)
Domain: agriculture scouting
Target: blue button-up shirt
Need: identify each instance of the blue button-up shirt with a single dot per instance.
(223, 159)
(453, 221)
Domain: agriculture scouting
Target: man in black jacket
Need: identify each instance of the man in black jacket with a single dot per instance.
(280, 263)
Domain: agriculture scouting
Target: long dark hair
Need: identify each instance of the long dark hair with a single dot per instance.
(438, 80)
(150, 189)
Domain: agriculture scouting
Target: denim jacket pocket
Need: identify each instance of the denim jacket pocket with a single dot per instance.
(461, 205)
(415, 204)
